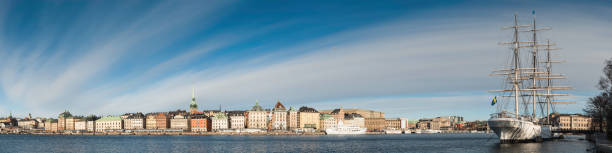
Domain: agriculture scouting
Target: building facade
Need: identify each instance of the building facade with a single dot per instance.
(393, 124)
(328, 122)
(375, 124)
(292, 118)
(180, 122)
(572, 121)
(80, 125)
(199, 123)
(354, 120)
(257, 118)
(236, 119)
(279, 117)
(308, 118)
(219, 122)
(91, 126)
(136, 121)
(61, 120)
(109, 123)
(27, 124)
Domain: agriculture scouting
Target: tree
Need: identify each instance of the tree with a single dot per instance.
(599, 107)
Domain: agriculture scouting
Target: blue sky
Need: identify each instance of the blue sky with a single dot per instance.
(409, 59)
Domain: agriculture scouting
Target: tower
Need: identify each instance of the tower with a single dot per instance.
(193, 107)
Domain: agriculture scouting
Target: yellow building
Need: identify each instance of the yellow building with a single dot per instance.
(572, 121)
(363, 112)
(308, 118)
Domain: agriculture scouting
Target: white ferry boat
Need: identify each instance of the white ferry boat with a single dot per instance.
(345, 130)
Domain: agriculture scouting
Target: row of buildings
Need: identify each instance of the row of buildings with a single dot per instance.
(259, 119)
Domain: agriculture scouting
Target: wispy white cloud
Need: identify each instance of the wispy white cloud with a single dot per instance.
(378, 67)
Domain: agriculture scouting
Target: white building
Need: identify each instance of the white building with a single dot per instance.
(91, 126)
(180, 122)
(80, 125)
(219, 122)
(257, 118)
(279, 117)
(109, 123)
(237, 120)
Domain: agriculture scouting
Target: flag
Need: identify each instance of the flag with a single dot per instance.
(494, 101)
(533, 12)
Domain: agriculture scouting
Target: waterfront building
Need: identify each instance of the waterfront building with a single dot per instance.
(27, 123)
(70, 123)
(363, 112)
(91, 126)
(109, 123)
(199, 122)
(193, 106)
(257, 117)
(292, 118)
(354, 120)
(328, 122)
(61, 120)
(219, 122)
(236, 119)
(180, 121)
(338, 114)
(308, 118)
(279, 117)
(150, 121)
(53, 126)
(571, 121)
(438, 123)
(375, 124)
(134, 121)
(161, 121)
(80, 125)
(393, 124)
(48, 124)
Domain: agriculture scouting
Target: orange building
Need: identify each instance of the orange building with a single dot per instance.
(199, 123)
(161, 120)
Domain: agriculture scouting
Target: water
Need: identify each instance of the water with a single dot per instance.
(452, 143)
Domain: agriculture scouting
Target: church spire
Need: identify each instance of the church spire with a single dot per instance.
(193, 106)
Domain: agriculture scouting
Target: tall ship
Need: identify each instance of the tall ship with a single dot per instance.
(345, 130)
(528, 86)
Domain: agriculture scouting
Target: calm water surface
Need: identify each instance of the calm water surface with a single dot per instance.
(452, 143)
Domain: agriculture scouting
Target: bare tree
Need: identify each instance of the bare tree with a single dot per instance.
(599, 107)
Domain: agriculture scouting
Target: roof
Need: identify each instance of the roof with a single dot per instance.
(109, 118)
(279, 106)
(325, 116)
(336, 111)
(235, 113)
(308, 109)
(257, 107)
(65, 114)
(219, 115)
(291, 109)
(352, 115)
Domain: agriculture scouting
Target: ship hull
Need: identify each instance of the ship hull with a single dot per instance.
(345, 132)
(515, 130)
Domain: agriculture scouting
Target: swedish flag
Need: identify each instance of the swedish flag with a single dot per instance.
(494, 101)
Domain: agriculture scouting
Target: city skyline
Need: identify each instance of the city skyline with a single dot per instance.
(405, 58)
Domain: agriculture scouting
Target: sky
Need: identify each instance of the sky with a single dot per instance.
(411, 59)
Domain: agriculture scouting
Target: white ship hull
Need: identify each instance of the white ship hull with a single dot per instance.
(515, 130)
(345, 131)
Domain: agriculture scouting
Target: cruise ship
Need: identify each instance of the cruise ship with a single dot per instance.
(345, 130)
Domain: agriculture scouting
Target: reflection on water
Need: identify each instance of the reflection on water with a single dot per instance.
(569, 144)
(452, 143)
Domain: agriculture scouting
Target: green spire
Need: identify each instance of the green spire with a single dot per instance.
(193, 103)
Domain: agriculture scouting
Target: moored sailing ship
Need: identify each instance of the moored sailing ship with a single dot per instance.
(526, 84)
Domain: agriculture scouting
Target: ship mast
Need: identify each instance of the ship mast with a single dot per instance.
(535, 67)
(515, 80)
